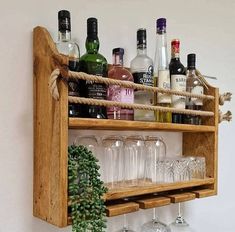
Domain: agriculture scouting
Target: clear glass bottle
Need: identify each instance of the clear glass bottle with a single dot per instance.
(161, 71)
(117, 93)
(178, 80)
(94, 63)
(142, 71)
(195, 86)
(67, 47)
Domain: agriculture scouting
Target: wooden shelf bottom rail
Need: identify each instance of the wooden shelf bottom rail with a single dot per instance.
(181, 197)
(154, 188)
(154, 202)
(203, 193)
(109, 124)
(119, 209)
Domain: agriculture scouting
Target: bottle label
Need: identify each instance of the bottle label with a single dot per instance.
(144, 78)
(118, 94)
(197, 90)
(96, 90)
(163, 81)
(178, 83)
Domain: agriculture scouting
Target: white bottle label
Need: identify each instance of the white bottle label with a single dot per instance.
(178, 83)
(197, 90)
(163, 82)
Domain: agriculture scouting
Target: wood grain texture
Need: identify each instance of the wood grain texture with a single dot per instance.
(108, 124)
(50, 134)
(204, 193)
(153, 202)
(154, 188)
(181, 197)
(119, 209)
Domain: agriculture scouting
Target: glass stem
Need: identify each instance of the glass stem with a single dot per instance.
(124, 221)
(155, 217)
(179, 210)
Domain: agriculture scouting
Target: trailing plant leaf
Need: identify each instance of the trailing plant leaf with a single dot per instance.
(85, 191)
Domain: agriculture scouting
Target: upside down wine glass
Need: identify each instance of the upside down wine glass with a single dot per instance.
(125, 225)
(180, 225)
(155, 225)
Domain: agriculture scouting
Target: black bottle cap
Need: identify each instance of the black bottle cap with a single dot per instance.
(92, 28)
(118, 51)
(191, 61)
(141, 36)
(64, 21)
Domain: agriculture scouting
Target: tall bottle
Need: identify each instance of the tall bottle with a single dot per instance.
(142, 71)
(195, 86)
(67, 47)
(94, 63)
(117, 93)
(161, 70)
(178, 80)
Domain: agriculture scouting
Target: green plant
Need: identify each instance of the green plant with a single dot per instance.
(85, 191)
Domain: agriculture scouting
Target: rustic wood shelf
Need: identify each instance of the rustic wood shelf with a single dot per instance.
(51, 135)
(155, 188)
(108, 124)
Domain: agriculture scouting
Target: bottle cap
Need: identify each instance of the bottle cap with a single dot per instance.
(92, 28)
(118, 51)
(141, 36)
(191, 61)
(64, 21)
(175, 46)
(161, 24)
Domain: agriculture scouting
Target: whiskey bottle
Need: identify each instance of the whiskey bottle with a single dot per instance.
(93, 63)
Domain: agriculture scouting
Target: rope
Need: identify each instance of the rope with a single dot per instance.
(89, 101)
(128, 84)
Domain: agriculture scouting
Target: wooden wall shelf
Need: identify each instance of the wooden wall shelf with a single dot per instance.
(108, 124)
(51, 124)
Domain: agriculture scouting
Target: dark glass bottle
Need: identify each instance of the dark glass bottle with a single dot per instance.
(195, 86)
(67, 47)
(178, 80)
(93, 63)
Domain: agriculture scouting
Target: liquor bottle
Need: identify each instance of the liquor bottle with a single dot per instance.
(178, 80)
(142, 71)
(93, 63)
(195, 86)
(161, 71)
(117, 93)
(67, 47)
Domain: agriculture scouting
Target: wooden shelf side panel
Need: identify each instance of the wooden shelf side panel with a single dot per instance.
(50, 134)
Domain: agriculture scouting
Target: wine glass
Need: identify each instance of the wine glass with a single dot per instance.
(113, 161)
(180, 225)
(156, 153)
(155, 225)
(134, 160)
(125, 225)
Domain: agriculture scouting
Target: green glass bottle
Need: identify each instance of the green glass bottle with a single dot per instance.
(93, 63)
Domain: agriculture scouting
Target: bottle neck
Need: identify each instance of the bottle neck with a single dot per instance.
(141, 49)
(191, 71)
(64, 36)
(92, 45)
(117, 60)
(175, 56)
(161, 56)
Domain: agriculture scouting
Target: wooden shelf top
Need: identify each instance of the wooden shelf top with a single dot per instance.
(154, 188)
(109, 124)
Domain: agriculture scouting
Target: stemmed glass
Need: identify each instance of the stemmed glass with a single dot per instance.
(180, 225)
(125, 225)
(155, 225)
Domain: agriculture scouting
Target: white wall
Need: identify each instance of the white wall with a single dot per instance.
(204, 26)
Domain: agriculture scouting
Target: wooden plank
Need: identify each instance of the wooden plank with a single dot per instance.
(154, 188)
(204, 193)
(108, 124)
(181, 197)
(119, 209)
(50, 134)
(153, 202)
